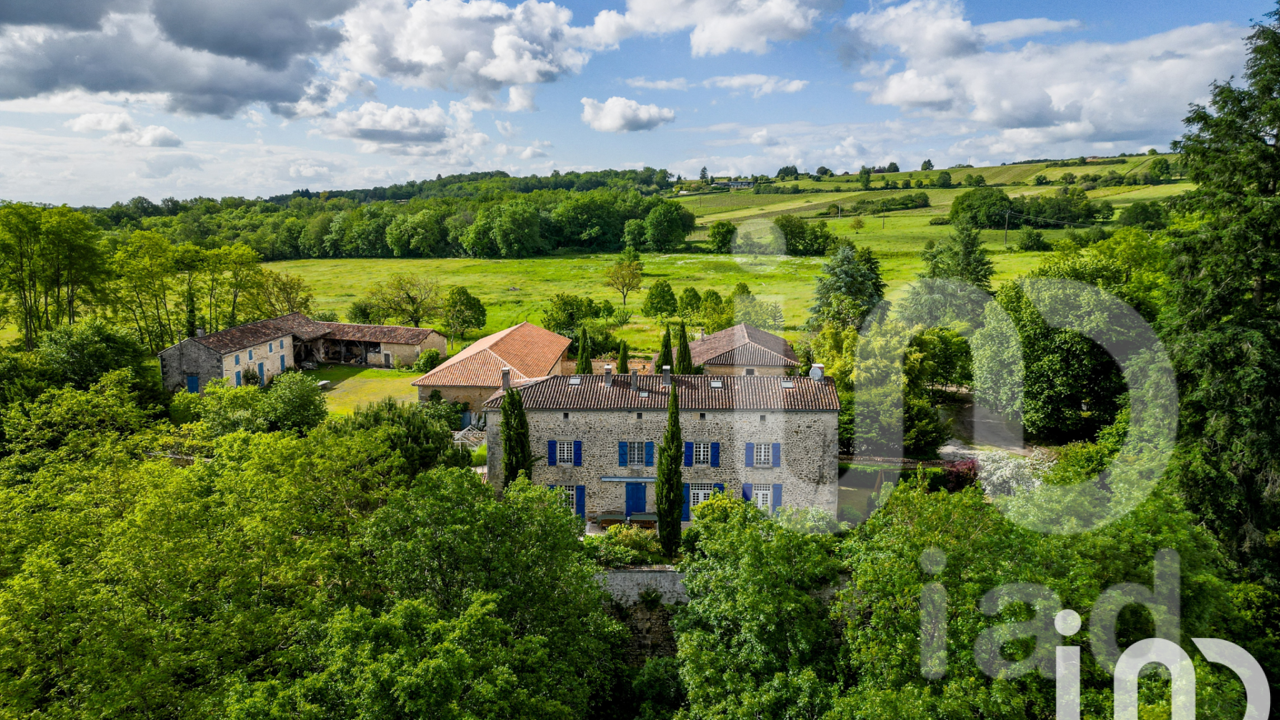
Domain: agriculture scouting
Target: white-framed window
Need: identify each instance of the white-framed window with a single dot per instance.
(702, 453)
(568, 496)
(635, 453)
(699, 492)
(564, 452)
(764, 455)
(763, 498)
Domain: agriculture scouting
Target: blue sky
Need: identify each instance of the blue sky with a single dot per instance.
(101, 100)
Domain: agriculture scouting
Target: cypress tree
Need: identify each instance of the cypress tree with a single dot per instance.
(584, 352)
(684, 358)
(517, 457)
(664, 357)
(668, 483)
(624, 358)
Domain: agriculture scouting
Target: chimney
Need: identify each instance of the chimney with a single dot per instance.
(199, 332)
(608, 376)
(666, 374)
(817, 370)
(506, 379)
(635, 374)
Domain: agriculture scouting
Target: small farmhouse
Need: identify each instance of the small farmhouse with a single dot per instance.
(472, 375)
(771, 440)
(270, 347)
(744, 350)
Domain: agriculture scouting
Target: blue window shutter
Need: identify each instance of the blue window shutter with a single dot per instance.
(580, 500)
(746, 491)
(551, 452)
(751, 455)
(250, 354)
(648, 454)
(688, 454)
(719, 487)
(776, 455)
(281, 363)
(622, 453)
(237, 378)
(776, 500)
(715, 454)
(684, 512)
(237, 359)
(271, 347)
(577, 453)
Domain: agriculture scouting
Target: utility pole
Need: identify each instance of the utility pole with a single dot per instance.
(1006, 229)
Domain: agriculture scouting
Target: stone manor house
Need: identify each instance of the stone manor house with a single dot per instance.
(770, 439)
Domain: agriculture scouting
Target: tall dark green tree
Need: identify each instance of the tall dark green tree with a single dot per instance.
(584, 352)
(517, 456)
(849, 289)
(664, 355)
(1222, 320)
(960, 257)
(624, 358)
(684, 358)
(669, 485)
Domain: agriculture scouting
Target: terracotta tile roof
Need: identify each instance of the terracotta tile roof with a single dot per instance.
(305, 329)
(255, 333)
(743, 345)
(530, 352)
(738, 392)
(395, 334)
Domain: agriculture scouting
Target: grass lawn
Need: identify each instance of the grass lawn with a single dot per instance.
(350, 387)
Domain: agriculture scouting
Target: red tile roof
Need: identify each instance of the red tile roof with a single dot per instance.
(530, 352)
(743, 345)
(394, 334)
(305, 329)
(695, 392)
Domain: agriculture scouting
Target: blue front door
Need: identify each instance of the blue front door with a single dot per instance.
(635, 498)
(193, 383)
(262, 376)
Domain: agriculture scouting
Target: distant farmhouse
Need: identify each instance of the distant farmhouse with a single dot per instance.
(270, 347)
(771, 440)
(743, 350)
(475, 373)
(734, 184)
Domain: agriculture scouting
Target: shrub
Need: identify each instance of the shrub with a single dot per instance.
(480, 456)
(1031, 240)
(427, 361)
(940, 220)
(625, 544)
(294, 403)
(959, 475)
(325, 316)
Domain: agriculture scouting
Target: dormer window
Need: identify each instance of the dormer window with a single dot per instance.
(717, 383)
(575, 380)
(788, 384)
(644, 393)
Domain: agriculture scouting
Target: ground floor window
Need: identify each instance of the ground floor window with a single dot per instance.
(568, 496)
(702, 453)
(762, 498)
(564, 452)
(699, 492)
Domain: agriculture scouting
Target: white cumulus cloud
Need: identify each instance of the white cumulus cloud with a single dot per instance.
(757, 84)
(619, 114)
(1036, 96)
(121, 129)
(674, 84)
(721, 26)
(429, 131)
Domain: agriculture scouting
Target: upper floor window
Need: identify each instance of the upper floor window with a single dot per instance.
(564, 452)
(251, 355)
(702, 453)
(764, 454)
(635, 453)
(237, 358)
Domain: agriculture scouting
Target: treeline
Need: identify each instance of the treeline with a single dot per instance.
(496, 182)
(989, 207)
(507, 224)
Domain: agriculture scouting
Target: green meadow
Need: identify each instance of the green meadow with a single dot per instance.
(518, 290)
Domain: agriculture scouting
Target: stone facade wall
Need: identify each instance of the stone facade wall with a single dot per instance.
(742, 370)
(188, 358)
(267, 353)
(473, 395)
(809, 471)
